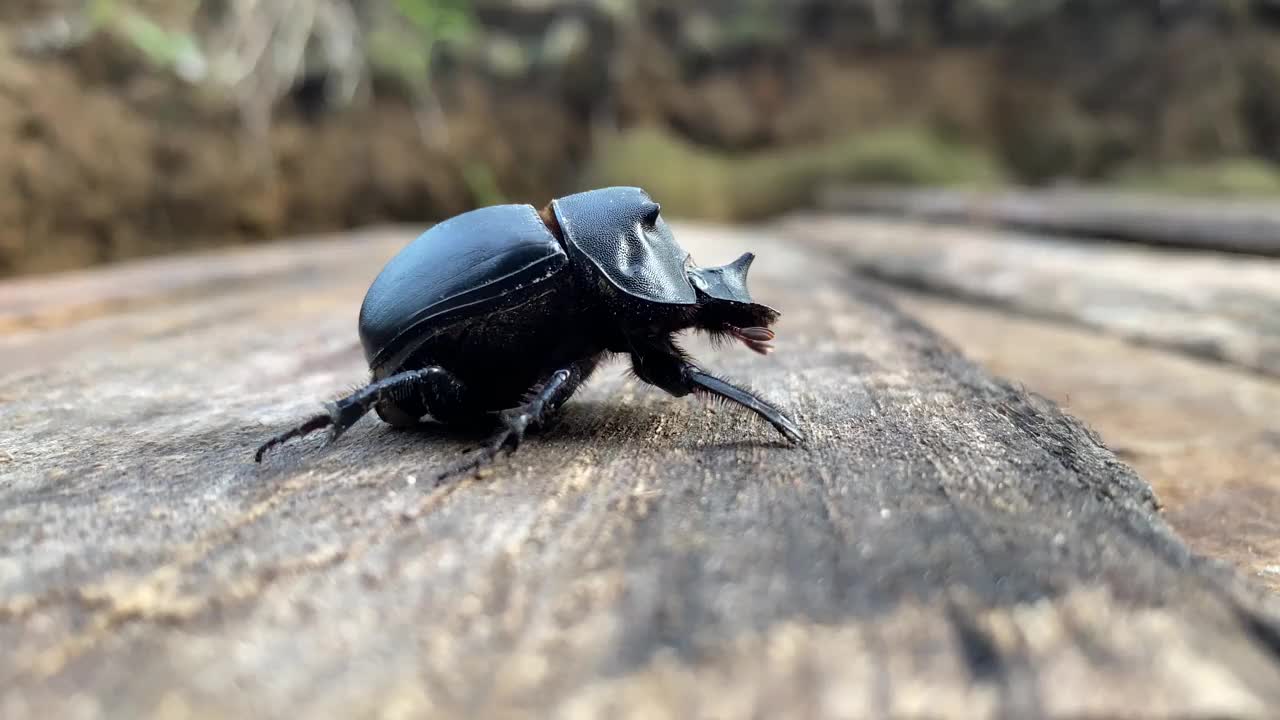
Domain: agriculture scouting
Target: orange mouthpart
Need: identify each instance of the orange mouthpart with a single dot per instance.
(756, 338)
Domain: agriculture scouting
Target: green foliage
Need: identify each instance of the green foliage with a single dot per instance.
(163, 48)
(1230, 177)
(168, 50)
(757, 22)
(696, 182)
(907, 156)
(404, 44)
(436, 20)
(483, 184)
(400, 41)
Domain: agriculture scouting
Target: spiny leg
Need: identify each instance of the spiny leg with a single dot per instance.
(665, 365)
(545, 399)
(430, 383)
(713, 385)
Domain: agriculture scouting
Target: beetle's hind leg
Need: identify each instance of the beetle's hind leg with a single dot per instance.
(416, 388)
(312, 424)
(544, 400)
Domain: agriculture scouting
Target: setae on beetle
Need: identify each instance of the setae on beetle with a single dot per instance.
(507, 310)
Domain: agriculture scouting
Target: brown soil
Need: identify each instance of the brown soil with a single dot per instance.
(102, 158)
(109, 160)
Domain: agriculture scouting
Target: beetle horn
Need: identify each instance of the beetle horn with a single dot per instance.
(724, 282)
(741, 266)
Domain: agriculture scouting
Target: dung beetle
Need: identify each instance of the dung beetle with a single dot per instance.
(506, 310)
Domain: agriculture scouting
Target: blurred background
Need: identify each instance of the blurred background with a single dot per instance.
(136, 127)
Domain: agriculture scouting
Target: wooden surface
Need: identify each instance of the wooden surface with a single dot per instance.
(1204, 435)
(1215, 306)
(1246, 226)
(945, 545)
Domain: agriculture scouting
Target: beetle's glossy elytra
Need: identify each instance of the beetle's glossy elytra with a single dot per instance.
(468, 263)
(501, 313)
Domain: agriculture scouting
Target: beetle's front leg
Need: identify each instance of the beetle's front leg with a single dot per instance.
(707, 383)
(670, 369)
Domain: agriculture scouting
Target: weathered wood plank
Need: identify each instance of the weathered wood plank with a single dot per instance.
(943, 544)
(1237, 226)
(1206, 436)
(49, 301)
(1217, 307)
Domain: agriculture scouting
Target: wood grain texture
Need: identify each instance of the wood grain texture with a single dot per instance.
(1206, 436)
(945, 545)
(1222, 225)
(1213, 306)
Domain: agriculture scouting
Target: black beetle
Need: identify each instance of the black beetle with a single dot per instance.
(508, 310)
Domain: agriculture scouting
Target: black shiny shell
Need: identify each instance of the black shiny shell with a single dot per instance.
(465, 264)
(620, 231)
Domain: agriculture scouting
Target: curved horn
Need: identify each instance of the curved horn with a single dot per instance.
(741, 266)
(725, 282)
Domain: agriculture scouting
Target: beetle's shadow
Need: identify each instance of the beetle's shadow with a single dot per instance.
(600, 423)
(614, 425)
(433, 431)
(368, 441)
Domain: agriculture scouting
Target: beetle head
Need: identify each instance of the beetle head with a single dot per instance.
(725, 304)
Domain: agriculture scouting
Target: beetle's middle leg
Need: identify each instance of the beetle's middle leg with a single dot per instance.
(422, 387)
(665, 365)
(541, 402)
